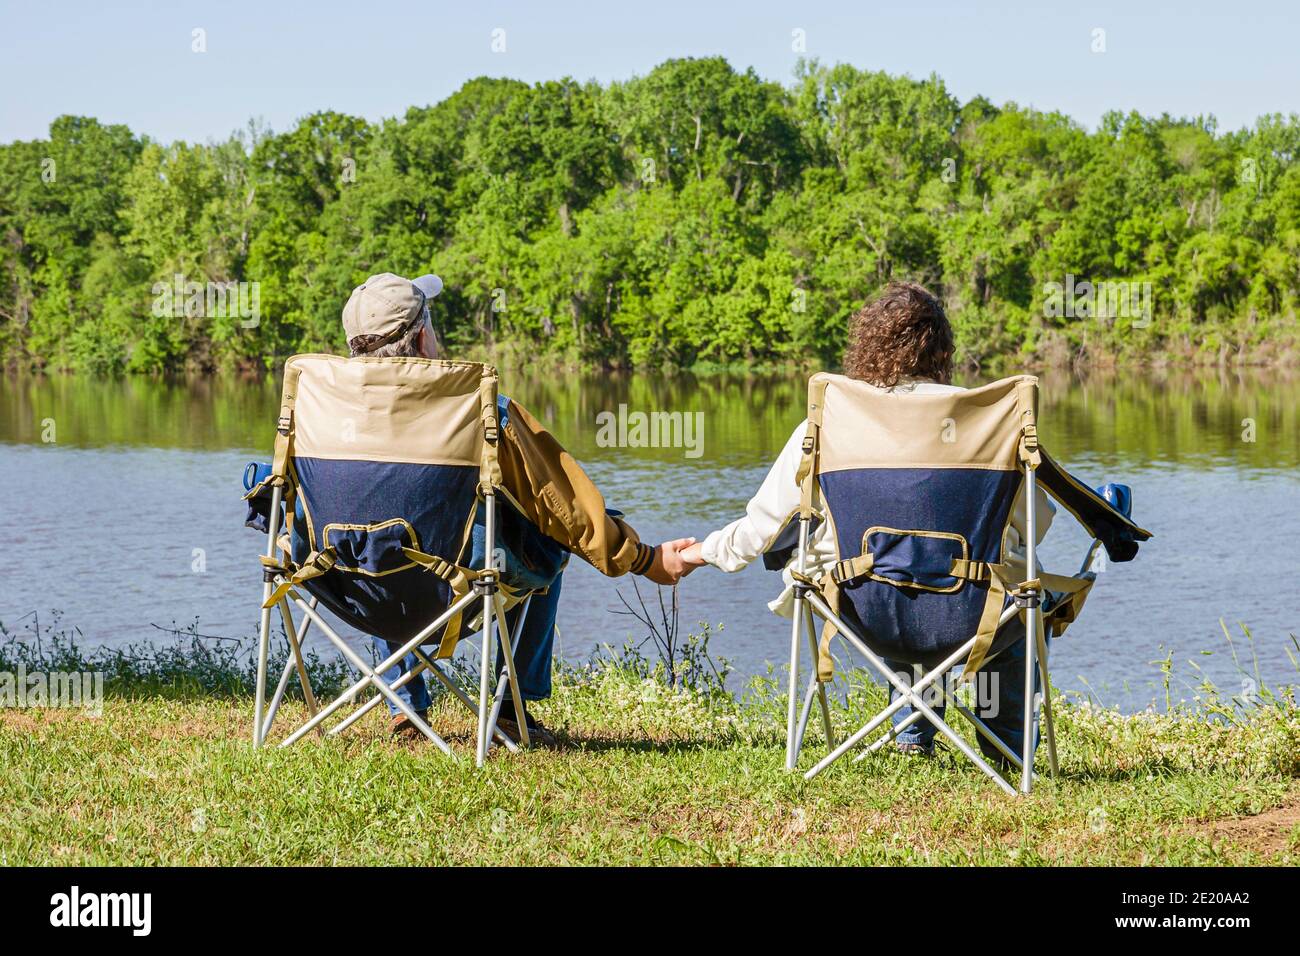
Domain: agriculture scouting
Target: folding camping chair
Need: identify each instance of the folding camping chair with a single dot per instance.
(919, 490)
(380, 466)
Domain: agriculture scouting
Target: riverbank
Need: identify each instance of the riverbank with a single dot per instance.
(644, 775)
(1050, 351)
(1055, 353)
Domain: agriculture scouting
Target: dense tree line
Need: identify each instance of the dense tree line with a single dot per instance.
(694, 215)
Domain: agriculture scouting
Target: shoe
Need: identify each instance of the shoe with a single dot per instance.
(538, 735)
(914, 750)
(400, 725)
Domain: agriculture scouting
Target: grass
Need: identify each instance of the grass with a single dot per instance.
(647, 774)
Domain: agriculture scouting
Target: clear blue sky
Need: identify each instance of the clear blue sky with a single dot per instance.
(131, 62)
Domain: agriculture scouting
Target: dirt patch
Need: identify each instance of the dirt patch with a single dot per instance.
(1268, 833)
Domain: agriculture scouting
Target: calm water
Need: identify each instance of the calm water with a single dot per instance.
(108, 522)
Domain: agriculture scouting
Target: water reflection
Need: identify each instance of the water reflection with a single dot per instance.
(1136, 417)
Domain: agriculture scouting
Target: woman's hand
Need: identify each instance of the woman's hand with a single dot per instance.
(668, 567)
(692, 557)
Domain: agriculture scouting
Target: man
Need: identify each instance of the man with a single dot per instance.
(899, 342)
(562, 511)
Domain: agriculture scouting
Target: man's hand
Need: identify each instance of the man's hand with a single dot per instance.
(668, 567)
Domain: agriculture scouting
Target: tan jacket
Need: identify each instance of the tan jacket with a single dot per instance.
(553, 492)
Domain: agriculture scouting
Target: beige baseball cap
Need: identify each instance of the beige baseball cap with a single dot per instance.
(387, 305)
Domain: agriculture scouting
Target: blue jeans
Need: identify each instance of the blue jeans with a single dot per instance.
(1003, 685)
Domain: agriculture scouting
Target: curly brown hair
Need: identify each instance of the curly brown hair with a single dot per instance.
(902, 333)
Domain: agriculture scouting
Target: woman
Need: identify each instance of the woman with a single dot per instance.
(901, 342)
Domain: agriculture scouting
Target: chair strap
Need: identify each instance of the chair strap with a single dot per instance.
(806, 476)
(313, 566)
(827, 587)
(997, 575)
(850, 569)
(970, 570)
(284, 424)
(1001, 582)
(489, 474)
(987, 628)
(320, 562)
(1000, 585)
(1027, 409)
(1065, 612)
(282, 458)
(826, 663)
(459, 579)
(1064, 583)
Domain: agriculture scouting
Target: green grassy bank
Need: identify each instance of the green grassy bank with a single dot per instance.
(645, 775)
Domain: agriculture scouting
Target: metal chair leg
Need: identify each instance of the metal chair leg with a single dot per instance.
(508, 642)
(1044, 682)
(792, 704)
(264, 630)
(485, 671)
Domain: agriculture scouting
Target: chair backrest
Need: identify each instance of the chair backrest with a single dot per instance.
(385, 454)
(924, 483)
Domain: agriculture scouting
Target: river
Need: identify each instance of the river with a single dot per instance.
(123, 511)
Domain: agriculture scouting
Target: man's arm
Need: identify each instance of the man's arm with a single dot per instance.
(557, 496)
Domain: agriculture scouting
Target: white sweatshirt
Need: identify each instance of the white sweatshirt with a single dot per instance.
(733, 547)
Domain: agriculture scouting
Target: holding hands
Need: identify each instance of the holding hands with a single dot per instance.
(674, 560)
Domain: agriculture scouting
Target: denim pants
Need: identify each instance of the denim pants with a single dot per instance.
(1003, 687)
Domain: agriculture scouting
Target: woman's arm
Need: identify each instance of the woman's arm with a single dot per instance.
(735, 546)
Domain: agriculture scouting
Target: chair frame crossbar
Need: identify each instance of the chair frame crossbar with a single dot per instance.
(810, 604)
(490, 696)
